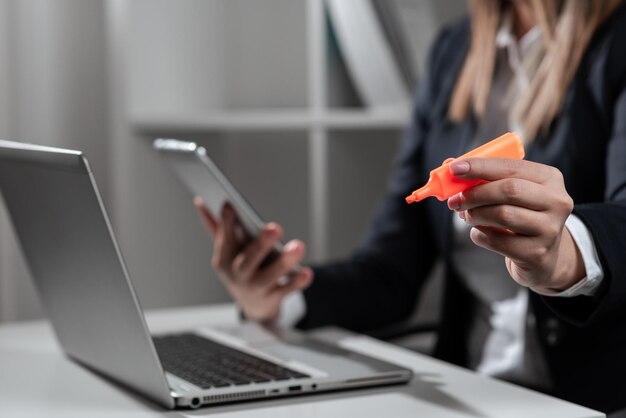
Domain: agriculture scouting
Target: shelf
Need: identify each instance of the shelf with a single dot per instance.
(267, 120)
(366, 119)
(240, 120)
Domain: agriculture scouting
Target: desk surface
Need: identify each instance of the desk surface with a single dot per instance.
(36, 379)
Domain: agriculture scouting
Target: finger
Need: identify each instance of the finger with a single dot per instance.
(299, 281)
(511, 191)
(246, 262)
(499, 168)
(447, 160)
(226, 247)
(514, 218)
(289, 259)
(209, 222)
(518, 248)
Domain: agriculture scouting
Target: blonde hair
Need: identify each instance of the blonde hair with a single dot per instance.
(567, 27)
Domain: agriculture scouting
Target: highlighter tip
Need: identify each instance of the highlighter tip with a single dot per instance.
(419, 194)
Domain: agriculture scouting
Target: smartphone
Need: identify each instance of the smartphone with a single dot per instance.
(202, 177)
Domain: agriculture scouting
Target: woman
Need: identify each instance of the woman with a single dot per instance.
(535, 285)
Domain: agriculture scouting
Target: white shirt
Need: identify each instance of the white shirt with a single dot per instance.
(500, 344)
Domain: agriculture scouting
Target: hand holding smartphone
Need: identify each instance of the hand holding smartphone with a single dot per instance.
(203, 178)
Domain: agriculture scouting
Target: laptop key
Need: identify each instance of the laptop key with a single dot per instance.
(260, 379)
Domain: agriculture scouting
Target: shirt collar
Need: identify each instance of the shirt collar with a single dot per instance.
(515, 50)
(505, 38)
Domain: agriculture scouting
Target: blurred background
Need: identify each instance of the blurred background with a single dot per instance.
(266, 86)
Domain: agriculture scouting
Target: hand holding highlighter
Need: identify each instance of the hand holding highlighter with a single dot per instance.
(443, 184)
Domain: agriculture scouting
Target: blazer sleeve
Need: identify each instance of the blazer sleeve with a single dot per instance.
(379, 284)
(607, 223)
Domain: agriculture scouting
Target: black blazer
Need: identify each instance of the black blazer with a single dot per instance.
(583, 338)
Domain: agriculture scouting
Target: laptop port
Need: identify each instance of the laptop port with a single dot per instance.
(296, 388)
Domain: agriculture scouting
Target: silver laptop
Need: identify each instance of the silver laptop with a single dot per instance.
(85, 288)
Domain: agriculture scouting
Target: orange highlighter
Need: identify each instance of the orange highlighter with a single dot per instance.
(442, 183)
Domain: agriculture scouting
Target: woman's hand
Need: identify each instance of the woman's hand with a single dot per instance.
(258, 291)
(520, 213)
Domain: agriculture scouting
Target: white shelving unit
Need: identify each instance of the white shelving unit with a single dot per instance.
(259, 85)
(310, 114)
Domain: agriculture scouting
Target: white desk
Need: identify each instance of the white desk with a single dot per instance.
(37, 380)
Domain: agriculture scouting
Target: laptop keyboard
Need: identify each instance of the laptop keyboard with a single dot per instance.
(208, 364)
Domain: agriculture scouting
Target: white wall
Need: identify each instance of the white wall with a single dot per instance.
(53, 89)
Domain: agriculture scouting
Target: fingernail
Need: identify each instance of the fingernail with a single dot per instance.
(271, 229)
(462, 214)
(454, 202)
(459, 167)
(292, 246)
(307, 277)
